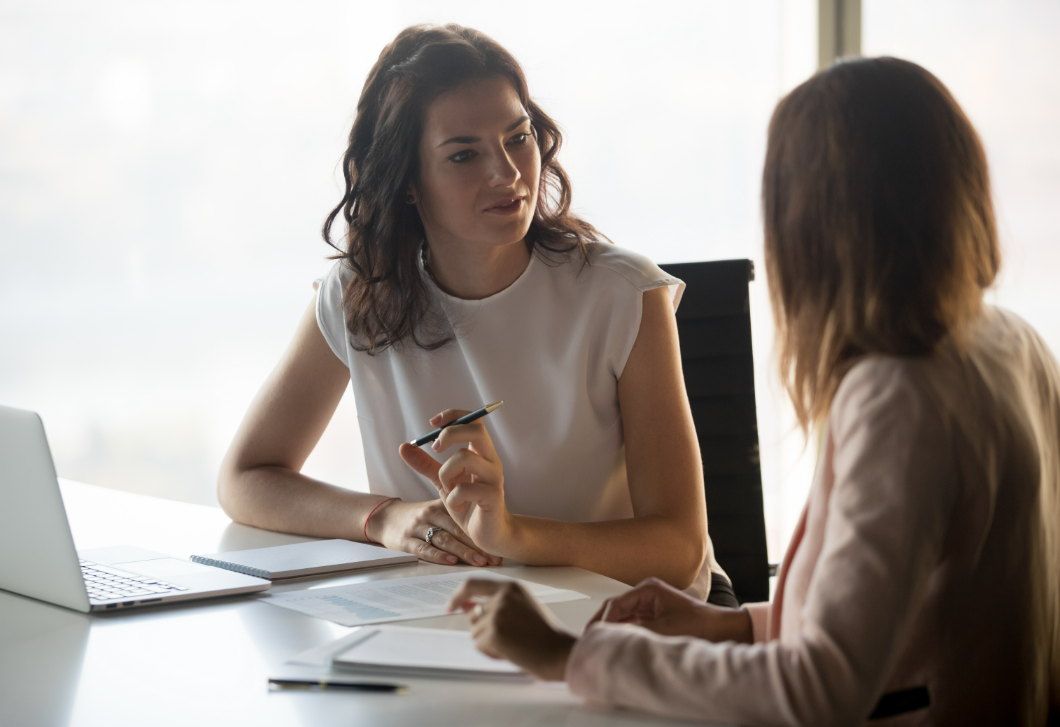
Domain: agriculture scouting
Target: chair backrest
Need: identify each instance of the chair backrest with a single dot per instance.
(714, 327)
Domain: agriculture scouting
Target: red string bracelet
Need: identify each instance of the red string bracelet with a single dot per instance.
(369, 540)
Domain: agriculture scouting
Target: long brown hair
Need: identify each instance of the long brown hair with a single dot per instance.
(879, 227)
(386, 300)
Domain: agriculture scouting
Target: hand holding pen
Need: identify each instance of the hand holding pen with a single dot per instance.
(472, 476)
(428, 529)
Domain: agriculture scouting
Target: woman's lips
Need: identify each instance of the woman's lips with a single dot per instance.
(507, 207)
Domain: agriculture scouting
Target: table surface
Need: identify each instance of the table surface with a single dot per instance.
(208, 662)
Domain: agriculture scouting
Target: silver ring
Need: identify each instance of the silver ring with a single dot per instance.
(431, 531)
(477, 611)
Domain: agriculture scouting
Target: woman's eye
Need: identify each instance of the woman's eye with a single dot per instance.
(518, 139)
(462, 156)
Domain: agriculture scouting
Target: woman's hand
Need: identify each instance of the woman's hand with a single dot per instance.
(404, 525)
(665, 610)
(470, 483)
(513, 625)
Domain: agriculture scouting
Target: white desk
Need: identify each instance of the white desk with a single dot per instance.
(207, 663)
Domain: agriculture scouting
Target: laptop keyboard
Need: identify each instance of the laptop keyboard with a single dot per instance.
(110, 584)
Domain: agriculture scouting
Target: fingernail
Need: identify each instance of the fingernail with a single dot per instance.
(479, 560)
(435, 446)
(451, 558)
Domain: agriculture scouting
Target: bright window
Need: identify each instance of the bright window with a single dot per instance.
(1001, 60)
(165, 167)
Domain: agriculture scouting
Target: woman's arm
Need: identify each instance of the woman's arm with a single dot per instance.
(260, 484)
(887, 520)
(512, 624)
(666, 537)
(893, 486)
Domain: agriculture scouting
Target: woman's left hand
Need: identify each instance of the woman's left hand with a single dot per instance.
(470, 483)
(513, 625)
(661, 608)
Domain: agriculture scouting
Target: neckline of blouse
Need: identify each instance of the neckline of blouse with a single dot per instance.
(452, 300)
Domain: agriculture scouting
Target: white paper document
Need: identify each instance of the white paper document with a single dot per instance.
(408, 651)
(396, 599)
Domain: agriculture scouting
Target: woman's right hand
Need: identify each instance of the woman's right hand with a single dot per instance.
(661, 608)
(403, 526)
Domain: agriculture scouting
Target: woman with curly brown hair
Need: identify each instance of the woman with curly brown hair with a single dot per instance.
(462, 279)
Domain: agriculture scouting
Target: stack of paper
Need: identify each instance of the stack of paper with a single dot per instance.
(408, 651)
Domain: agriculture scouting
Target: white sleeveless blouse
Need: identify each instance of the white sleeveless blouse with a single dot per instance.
(552, 345)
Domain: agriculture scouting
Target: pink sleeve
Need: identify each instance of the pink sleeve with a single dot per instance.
(759, 613)
(886, 522)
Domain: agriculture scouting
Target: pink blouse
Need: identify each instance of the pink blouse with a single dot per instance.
(928, 555)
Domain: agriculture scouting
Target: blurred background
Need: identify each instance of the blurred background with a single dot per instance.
(165, 167)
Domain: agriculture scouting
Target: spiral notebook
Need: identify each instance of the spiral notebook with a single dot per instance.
(305, 559)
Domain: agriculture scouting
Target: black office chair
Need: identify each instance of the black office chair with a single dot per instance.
(714, 327)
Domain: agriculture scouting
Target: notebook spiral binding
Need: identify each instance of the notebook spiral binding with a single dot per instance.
(244, 569)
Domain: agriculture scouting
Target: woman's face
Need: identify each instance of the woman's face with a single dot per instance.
(479, 167)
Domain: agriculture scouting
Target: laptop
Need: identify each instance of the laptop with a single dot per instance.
(37, 554)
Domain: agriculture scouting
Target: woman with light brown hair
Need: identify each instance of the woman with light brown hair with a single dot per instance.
(922, 580)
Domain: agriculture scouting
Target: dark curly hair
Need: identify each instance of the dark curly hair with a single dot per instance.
(387, 300)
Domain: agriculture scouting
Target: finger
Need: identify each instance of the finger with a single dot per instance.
(466, 466)
(658, 587)
(622, 608)
(431, 554)
(447, 416)
(611, 612)
(599, 615)
(471, 493)
(474, 434)
(607, 613)
(477, 612)
(421, 463)
(451, 527)
(473, 588)
(445, 521)
(466, 540)
(484, 642)
(445, 541)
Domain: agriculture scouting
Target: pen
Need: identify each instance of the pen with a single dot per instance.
(466, 419)
(319, 685)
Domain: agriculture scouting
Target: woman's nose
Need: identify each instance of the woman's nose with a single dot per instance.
(503, 173)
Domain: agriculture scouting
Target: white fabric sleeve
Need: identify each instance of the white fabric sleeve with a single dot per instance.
(330, 314)
(894, 485)
(631, 275)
